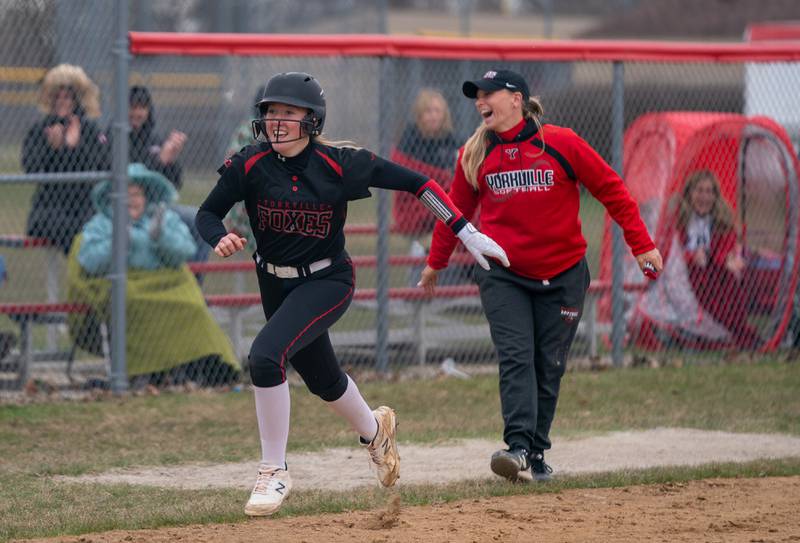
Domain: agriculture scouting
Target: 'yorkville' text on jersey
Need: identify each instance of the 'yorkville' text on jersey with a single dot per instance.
(536, 180)
(312, 220)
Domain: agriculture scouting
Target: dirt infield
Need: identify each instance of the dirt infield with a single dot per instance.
(715, 510)
(747, 510)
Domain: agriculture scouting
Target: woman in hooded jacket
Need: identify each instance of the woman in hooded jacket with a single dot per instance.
(149, 147)
(160, 154)
(158, 238)
(66, 139)
(163, 299)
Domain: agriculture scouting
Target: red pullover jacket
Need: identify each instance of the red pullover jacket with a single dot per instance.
(529, 198)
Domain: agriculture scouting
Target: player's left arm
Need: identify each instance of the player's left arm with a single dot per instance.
(392, 176)
(395, 177)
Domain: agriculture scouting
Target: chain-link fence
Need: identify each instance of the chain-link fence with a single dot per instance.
(55, 84)
(716, 183)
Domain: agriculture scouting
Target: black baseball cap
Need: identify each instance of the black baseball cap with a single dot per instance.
(494, 80)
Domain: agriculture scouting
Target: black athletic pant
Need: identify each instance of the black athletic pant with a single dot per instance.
(299, 312)
(533, 324)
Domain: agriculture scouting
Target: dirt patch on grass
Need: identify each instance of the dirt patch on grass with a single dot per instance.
(724, 510)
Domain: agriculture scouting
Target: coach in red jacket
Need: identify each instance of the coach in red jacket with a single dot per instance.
(525, 177)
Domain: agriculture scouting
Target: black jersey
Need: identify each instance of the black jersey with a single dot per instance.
(297, 206)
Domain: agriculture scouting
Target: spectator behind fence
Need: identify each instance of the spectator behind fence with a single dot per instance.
(525, 176)
(157, 238)
(717, 270)
(163, 297)
(160, 154)
(428, 147)
(296, 186)
(148, 147)
(65, 140)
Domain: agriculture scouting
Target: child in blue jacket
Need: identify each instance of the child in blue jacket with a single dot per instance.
(158, 237)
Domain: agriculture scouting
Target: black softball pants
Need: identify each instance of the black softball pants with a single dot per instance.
(533, 324)
(299, 312)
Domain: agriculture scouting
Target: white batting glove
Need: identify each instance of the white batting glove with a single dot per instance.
(480, 246)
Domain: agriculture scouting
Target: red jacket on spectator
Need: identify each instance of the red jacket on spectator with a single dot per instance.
(719, 291)
(432, 157)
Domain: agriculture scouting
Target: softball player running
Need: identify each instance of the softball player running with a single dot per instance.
(295, 186)
(525, 177)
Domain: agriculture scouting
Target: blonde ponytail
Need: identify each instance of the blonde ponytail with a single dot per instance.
(475, 147)
(322, 140)
(532, 109)
(474, 153)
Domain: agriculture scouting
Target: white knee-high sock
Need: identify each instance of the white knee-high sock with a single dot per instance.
(272, 410)
(355, 410)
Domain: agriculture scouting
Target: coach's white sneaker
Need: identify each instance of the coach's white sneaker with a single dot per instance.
(383, 447)
(272, 486)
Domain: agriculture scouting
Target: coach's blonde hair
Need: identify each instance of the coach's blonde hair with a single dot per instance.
(475, 147)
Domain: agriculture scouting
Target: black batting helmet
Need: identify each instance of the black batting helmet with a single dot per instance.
(297, 89)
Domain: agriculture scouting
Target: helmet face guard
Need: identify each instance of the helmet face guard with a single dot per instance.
(308, 127)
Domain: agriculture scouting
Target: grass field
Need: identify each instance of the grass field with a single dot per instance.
(41, 440)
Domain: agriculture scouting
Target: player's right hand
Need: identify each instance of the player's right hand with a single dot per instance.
(230, 244)
(650, 263)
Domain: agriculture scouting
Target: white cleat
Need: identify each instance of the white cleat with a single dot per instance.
(272, 486)
(383, 448)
